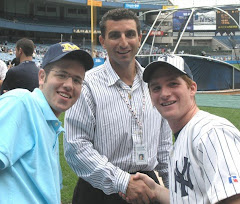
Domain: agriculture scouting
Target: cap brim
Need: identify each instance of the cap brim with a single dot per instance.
(84, 57)
(152, 67)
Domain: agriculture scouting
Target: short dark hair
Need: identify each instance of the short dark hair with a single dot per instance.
(26, 45)
(117, 15)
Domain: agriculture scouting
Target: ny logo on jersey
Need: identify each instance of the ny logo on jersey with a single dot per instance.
(179, 177)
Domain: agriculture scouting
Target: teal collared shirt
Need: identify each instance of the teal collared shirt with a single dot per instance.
(29, 149)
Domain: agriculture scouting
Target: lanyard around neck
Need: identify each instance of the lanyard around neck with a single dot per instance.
(134, 114)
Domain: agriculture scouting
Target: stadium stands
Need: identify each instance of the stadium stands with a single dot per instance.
(230, 41)
(47, 22)
(152, 2)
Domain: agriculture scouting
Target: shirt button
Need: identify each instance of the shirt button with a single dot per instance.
(56, 124)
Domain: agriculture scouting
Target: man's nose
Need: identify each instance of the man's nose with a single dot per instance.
(165, 92)
(68, 82)
(123, 41)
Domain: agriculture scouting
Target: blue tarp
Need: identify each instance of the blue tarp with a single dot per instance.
(211, 74)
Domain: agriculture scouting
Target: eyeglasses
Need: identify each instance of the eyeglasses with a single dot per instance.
(63, 76)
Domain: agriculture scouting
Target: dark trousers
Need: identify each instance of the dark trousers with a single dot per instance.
(84, 193)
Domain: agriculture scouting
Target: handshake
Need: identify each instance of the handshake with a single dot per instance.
(143, 190)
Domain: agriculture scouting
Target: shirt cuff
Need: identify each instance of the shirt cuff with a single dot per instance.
(3, 161)
(122, 180)
(165, 180)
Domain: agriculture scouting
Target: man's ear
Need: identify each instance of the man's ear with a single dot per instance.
(41, 76)
(101, 40)
(20, 51)
(193, 88)
(140, 40)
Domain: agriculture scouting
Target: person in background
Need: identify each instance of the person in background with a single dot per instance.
(3, 71)
(114, 121)
(204, 162)
(24, 75)
(29, 150)
(14, 62)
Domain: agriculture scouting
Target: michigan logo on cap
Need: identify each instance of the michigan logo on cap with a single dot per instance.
(67, 47)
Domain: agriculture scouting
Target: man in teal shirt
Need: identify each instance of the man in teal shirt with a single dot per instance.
(29, 128)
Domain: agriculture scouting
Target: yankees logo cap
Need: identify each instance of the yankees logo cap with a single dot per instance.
(168, 60)
(59, 50)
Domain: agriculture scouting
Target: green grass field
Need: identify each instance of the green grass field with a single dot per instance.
(237, 66)
(70, 179)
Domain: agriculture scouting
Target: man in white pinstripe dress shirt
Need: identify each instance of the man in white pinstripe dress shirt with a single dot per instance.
(204, 162)
(113, 130)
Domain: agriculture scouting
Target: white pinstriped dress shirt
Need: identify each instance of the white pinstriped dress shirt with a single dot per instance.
(101, 131)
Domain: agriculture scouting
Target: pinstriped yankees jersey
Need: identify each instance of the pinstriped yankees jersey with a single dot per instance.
(204, 163)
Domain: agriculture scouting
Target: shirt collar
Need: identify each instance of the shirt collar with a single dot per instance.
(46, 109)
(113, 76)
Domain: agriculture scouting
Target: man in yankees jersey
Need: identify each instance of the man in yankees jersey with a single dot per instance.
(204, 162)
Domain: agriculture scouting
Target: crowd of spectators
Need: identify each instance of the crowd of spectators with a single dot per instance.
(7, 52)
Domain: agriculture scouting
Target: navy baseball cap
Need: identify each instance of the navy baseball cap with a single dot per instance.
(168, 60)
(59, 50)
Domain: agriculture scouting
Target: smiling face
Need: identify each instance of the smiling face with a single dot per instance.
(121, 41)
(62, 86)
(172, 96)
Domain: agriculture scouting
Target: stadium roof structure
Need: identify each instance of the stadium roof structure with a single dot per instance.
(210, 74)
(130, 4)
(153, 2)
(169, 12)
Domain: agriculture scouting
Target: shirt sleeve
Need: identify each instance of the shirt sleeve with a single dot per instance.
(3, 70)
(4, 162)
(15, 134)
(6, 85)
(80, 153)
(218, 153)
(165, 144)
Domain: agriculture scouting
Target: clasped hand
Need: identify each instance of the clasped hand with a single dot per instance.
(141, 190)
